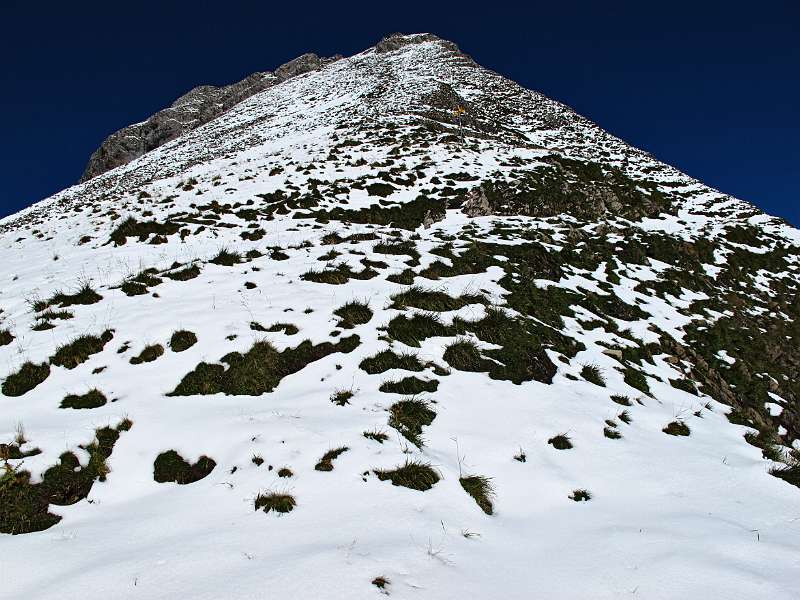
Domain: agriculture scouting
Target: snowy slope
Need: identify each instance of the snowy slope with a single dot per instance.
(696, 515)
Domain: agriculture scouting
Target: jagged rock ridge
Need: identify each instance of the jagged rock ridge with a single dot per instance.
(195, 108)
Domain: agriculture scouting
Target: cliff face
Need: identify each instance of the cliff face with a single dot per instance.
(195, 108)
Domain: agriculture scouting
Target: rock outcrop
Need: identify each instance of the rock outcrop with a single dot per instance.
(195, 108)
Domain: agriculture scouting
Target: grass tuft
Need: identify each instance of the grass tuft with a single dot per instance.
(353, 313)
(413, 474)
(94, 398)
(481, 490)
(326, 462)
(560, 442)
(182, 340)
(593, 374)
(409, 386)
(171, 466)
(80, 349)
(409, 417)
(580, 495)
(280, 503)
(28, 377)
(386, 360)
(677, 428)
(149, 354)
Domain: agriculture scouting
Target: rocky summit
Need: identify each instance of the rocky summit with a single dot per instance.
(394, 325)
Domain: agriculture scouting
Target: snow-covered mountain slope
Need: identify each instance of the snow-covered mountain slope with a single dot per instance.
(398, 326)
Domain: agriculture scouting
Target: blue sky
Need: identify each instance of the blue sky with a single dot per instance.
(711, 88)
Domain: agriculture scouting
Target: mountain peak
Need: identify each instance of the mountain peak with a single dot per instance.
(393, 323)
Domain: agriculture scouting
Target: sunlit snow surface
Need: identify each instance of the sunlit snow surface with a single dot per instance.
(693, 517)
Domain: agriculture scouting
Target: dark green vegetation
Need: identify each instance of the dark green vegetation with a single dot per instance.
(380, 582)
(287, 328)
(5, 337)
(622, 400)
(94, 398)
(170, 466)
(342, 397)
(149, 354)
(24, 506)
(481, 490)
(580, 495)
(259, 370)
(326, 462)
(130, 227)
(413, 474)
(408, 215)
(80, 349)
(25, 379)
(338, 274)
(433, 300)
(586, 190)
(353, 313)
(183, 274)
(226, 258)
(85, 295)
(377, 436)
(137, 285)
(182, 340)
(410, 386)
(593, 374)
(386, 360)
(677, 428)
(560, 442)
(409, 417)
(280, 503)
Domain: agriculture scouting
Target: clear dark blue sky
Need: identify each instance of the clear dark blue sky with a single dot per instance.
(709, 87)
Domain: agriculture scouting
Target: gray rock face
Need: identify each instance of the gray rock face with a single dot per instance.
(195, 108)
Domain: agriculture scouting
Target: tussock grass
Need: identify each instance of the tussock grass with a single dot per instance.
(409, 417)
(378, 436)
(621, 400)
(412, 331)
(182, 340)
(272, 501)
(481, 490)
(149, 354)
(226, 258)
(84, 296)
(25, 379)
(677, 428)
(186, 274)
(79, 350)
(353, 313)
(24, 506)
(380, 582)
(326, 462)
(409, 386)
(285, 472)
(611, 433)
(259, 370)
(580, 495)
(593, 374)
(413, 474)
(342, 397)
(464, 355)
(287, 328)
(170, 466)
(433, 300)
(94, 398)
(386, 359)
(5, 337)
(560, 442)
